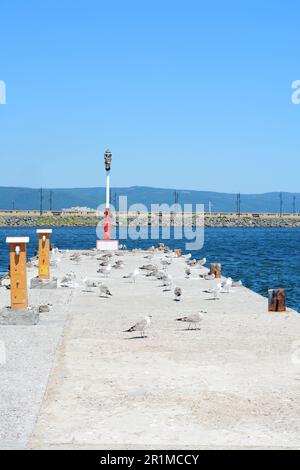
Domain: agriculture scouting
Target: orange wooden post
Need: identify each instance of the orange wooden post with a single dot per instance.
(44, 253)
(18, 275)
(216, 269)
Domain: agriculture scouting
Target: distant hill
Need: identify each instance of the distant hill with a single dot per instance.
(29, 199)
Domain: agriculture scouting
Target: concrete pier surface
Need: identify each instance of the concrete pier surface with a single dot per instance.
(76, 381)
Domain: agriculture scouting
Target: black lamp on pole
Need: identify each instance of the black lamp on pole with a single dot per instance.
(107, 159)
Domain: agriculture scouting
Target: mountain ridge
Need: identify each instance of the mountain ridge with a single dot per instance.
(26, 198)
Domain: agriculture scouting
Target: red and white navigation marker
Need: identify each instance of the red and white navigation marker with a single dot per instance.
(107, 243)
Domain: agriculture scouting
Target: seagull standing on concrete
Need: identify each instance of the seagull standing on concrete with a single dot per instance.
(194, 318)
(217, 291)
(133, 275)
(226, 285)
(167, 282)
(201, 262)
(141, 326)
(105, 270)
(177, 293)
(209, 277)
(104, 291)
(188, 272)
(69, 277)
(119, 264)
(237, 284)
(165, 263)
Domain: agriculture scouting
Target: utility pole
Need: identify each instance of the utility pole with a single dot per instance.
(294, 205)
(209, 207)
(41, 201)
(238, 204)
(281, 204)
(51, 200)
(176, 197)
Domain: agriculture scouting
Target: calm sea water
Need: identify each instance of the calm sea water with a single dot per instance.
(262, 258)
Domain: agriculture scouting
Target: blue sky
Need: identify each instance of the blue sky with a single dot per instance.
(187, 94)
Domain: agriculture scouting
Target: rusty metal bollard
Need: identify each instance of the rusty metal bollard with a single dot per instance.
(276, 300)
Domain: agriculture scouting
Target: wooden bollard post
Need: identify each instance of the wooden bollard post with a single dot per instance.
(18, 275)
(276, 300)
(216, 269)
(44, 253)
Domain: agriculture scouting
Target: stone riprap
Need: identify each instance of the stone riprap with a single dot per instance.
(145, 220)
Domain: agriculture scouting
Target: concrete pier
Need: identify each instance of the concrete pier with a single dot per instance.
(76, 381)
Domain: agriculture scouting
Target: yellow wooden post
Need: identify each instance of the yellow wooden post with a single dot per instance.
(44, 253)
(18, 275)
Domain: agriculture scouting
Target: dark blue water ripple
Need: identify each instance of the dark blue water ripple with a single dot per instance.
(262, 258)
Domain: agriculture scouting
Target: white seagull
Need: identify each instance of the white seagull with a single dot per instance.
(177, 293)
(141, 326)
(194, 318)
(217, 291)
(133, 275)
(227, 284)
(104, 291)
(105, 270)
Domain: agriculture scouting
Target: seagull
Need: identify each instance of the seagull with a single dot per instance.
(209, 277)
(165, 263)
(191, 262)
(188, 272)
(88, 284)
(216, 291)
(152, 273)
(159, 275)
(201, 262)
(67, 280)
(227, 284)
(104, 262)
(237, 284)
(167, 283)
(195, 318)
(69, 277)
(149, 267)
(133, 275)
(167, 280)
(141, 326)
(105, 270)
(104, 291)
(118, 265)
(149, 257)
(76, 257)
(177, 293)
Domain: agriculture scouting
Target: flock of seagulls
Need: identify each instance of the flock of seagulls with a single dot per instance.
(156, 267)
